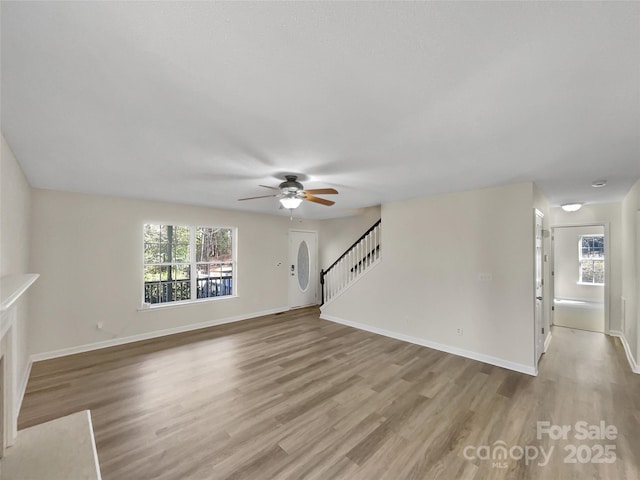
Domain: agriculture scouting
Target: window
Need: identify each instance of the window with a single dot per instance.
(591, 257)
(187, 263)
(214, 262)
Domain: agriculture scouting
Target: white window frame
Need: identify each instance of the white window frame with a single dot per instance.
(193, 264)
(581, 260)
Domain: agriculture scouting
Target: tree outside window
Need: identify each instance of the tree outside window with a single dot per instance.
(184, 263)
(591, 257)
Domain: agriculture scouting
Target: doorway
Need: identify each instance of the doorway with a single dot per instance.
(303, 268)
(539, 286)
(580, 265)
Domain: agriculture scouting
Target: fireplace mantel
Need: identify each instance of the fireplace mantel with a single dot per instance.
(12, 287)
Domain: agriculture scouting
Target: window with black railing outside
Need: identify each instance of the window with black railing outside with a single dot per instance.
(183, 263)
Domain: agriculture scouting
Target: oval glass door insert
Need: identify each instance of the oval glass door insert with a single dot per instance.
(303, 265)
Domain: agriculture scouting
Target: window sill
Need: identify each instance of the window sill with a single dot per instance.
(590, 284)
(163, 306)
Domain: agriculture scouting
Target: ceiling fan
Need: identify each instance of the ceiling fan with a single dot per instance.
(292, 193)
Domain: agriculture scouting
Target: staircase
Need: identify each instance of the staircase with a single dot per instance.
(352, 264)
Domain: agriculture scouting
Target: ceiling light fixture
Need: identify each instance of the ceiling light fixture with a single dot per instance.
(599, 183)
(571, 207)
(290, 202)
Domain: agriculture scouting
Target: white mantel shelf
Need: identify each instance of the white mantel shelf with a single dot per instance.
(13, 286)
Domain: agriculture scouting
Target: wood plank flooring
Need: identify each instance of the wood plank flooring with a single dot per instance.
(291, 396)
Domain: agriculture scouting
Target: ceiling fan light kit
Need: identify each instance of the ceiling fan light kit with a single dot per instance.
(290, 202)
(292, 193)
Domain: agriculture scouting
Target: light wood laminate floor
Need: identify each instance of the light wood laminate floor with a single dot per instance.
(291, 396)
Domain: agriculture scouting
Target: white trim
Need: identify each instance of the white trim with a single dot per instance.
(38, 357)
(547, 342)
(499, 362)
(23, 385)
(635, 366)
(13, 286)
(538, 329)
(93, 445)
(180, 303)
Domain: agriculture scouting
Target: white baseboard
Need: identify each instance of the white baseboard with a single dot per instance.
(547, 342)
(499, 362)
(149, 335)
(635, 367)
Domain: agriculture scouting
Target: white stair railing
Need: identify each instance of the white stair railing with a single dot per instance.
(352, 263)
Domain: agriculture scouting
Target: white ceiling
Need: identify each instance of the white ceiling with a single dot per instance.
(200, 102)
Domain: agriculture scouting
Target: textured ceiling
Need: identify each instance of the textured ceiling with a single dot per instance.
(200, 102)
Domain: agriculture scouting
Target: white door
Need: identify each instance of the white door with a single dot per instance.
(539, 301)
(552, 279)
(303, 269)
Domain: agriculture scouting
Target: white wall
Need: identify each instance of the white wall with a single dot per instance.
(14, 242)
(567, 265)
(88, 250)
(605, 213)
(427, 284)
(631, 269)
(15, 214)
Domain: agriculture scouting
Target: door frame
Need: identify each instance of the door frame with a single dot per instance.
(607, 267)
(537, 341)
(315, 259)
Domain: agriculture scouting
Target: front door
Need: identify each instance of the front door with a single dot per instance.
(303, 270)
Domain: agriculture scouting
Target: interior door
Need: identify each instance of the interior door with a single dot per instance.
(552, 279)
(539, 300)
(303, 269)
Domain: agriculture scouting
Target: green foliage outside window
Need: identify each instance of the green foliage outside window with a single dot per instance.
(591, 257)
(168, 266)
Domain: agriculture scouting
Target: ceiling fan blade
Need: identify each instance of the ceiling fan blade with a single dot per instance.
(253, 198)
(322, 201)
(322, 191)
(272, 188)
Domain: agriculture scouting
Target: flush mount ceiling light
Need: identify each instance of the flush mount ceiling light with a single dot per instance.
(599, 183)
(571, 207)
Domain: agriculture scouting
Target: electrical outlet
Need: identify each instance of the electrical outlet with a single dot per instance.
(459, 331)
(99, 325)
